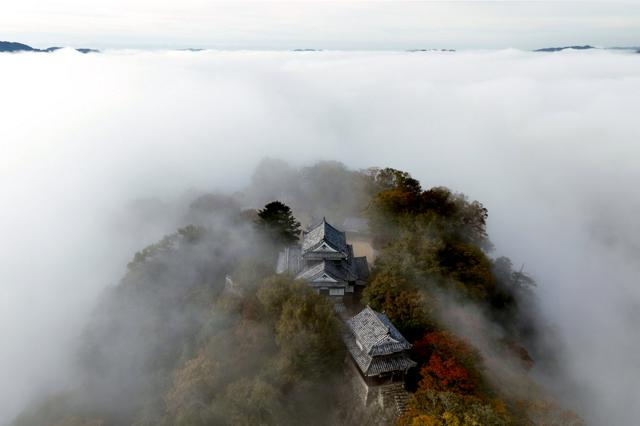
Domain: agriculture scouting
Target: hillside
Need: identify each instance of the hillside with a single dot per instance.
(559, 49)
(9, 46)
(202, 331)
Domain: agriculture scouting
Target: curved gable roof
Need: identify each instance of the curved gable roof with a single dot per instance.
(334, 270)
(376, 334)
(324, 232)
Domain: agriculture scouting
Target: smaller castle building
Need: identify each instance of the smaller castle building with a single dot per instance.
(377, 348)
(379, 354)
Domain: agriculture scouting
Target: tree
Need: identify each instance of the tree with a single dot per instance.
(308, 335)
(406, 307)
(470, 266)
(388, 178)
(193, 386)
(453, 365)
(278, 223)
(429, 407)
(253, 402)
(306, 330)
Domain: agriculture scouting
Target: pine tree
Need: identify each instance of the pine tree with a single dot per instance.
(277, 221)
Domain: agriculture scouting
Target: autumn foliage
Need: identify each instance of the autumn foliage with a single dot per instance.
(452, 364)
(199, 332)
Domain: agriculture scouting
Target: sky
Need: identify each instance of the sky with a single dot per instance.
(343, 25)
(548, 142)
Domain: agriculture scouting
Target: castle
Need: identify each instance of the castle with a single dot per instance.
(326, 261)
(377, 351)
(380, 354)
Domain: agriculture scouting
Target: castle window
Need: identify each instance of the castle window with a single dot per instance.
(336, 292)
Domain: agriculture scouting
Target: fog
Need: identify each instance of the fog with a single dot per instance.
(548, 142)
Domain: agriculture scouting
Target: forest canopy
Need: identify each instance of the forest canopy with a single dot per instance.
(201, 330)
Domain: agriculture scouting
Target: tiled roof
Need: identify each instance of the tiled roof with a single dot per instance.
(376, 334)
(323, 232)
(376, 346)
(398, 362)
(340, 265)
(374, 365)
(337, 270)
(349, 252)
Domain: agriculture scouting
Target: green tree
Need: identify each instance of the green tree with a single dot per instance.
(306, 330)
(406, 307)
(253, 402)
(277, 221)
(193, 386)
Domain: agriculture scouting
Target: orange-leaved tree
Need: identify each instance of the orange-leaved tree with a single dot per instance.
(452, 364)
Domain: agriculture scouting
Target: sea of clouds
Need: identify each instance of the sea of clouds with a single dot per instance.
(550, 143)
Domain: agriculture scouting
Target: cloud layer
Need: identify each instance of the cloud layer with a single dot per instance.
(548, 142)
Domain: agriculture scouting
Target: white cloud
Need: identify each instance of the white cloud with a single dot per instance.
(549, 142)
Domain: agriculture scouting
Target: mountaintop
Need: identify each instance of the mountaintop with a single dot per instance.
(558, 49)
(202, 330)
(431, 50)
(10, 46)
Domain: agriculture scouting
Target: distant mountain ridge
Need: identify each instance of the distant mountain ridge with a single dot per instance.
(10, 46)
(431, 50)
(636, 49)
(558, 49)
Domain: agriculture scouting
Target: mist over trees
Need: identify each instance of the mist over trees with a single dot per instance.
(276, 221)
(200, 331)
(96, 166)
(433, 254)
